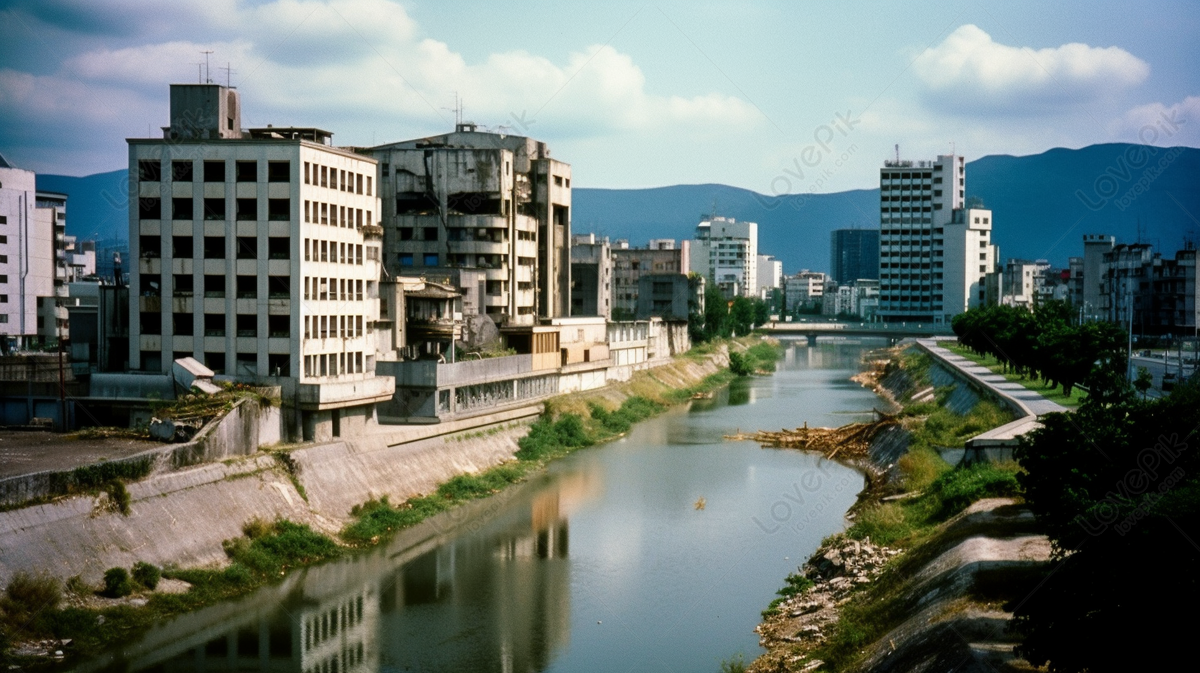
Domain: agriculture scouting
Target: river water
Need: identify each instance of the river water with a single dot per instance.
(652, 553)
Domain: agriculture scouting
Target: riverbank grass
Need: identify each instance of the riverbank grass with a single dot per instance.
(1052, 393)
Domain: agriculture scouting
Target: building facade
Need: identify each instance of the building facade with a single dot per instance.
(591, 276)
(477, 200)
(725, 252)
(803, 291)
(257, 252)
(853, 254)
(660, 256)
(770, 276)
(1095, 247)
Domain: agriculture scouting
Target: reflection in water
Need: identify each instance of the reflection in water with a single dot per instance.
(601, 562)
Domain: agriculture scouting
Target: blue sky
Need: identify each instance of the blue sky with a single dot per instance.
(777, 97)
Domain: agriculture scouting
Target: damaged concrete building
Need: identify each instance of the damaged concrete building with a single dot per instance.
(479, 201)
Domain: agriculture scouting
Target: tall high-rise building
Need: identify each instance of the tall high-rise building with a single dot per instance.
(934, 255)
(769, 274)
(1095, 247)
(725, 252)
(853, 255)
(477, 200)
(257, 252)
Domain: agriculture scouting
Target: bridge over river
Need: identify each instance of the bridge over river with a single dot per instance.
(891, 331)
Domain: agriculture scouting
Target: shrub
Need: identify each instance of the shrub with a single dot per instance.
(957, 489)
(77, 586)
(740, 364)
(29, 596)
(119, 495)
(146, 575)
(116, 583)
(256, 528)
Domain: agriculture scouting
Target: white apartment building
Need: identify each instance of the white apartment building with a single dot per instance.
(770, 275)
(969, 258)
(725, 252)
(258, 253)
(804, 288)
(933, 255)
(27, 257)
(1021, 280)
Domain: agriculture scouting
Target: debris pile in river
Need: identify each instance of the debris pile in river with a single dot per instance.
(849, 440)
(804, 620)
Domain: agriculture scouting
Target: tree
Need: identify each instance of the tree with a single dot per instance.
(1116, 487)
(1143, 381)
(716, 313)
(741, 316)
(762, 312)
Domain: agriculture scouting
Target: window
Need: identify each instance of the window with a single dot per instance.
(431, 233)
(247, 171)
(406, 233)
(306, 167)
(182, 324)
(278, 326)
(406, 259)
(181, 171)
(247, 247)
(181, 246)
(3, 219)
(982, 256)
(214, 247)
(184, 284)
(181, 208)
(324, 251)
(215, 361)
(279, 171)
(247, 325)
(4, 298)
(214, 325)
(150, 323)
(359, 184)
(214, 171)
(3, 317)
(279, 364)
(150, 208)
(150, 246)
(247, 287)
(324, 176)
(279, 287)
(279, 209)
(214, 209)
(3, 278)
(368, 185)
(214, 286)
(278, 247)
(149, 170)
(247, 209)
(431, 259)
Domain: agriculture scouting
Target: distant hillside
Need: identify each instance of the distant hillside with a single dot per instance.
(1037, 211)
(1043, 205)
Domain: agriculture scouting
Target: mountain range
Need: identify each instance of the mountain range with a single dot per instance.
(1042, 205)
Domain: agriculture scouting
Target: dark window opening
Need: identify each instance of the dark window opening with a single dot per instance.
(150, 208)
(247, 209)
(214, 209)
(406, 233)
(214, 287)
(182, 324)
(150, 323)
(279, 247)
(279, 326)
(561, 215)
(474, 203)
(247, 171)
(151, 285)
(247, 247)
(247, 325)
(430, 233)
(214, 247)
(279, 209)
(214, 325)
(185, 284)
(150, 246)
(279, 364)
(279, 171)
(182, 246)
(415, 203)
(215, 362)
(214, 171)
(181, 208)
(247, 287)
(181, 171)
(279, 287)
(149, 170)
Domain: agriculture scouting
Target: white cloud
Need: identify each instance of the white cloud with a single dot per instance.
(1163, 125)
(970, 71)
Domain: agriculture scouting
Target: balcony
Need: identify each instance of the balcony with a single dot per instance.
(317, 396)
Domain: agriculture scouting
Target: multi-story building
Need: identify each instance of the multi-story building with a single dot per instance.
(770, 276)
(803, 291)
(591, 276)
(477, 200)
(1128, 272)
(1095, 247)
(968, 258)
(1176, 286)
(725, 252)
(1022, 281)
(671, 296)
(853, 254)
(1074, 282)
(36, 258)
(660, 256)
(258, 253)
(916, 202)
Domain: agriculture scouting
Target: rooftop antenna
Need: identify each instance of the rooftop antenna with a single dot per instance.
(207, 77)
(228, 71)
(199, 73)
(458, 115)
(897, 154)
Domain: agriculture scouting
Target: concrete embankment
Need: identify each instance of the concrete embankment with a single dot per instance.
(180, 514)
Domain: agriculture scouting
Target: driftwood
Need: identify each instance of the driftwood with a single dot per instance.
(849, 440)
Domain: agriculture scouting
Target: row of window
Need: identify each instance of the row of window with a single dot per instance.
(217, 170)
(184, 247)
(183, 208)
(245, 287)
(333, 327)
(336, 178)
(333, 289)
(316, 212)
(336, 252)
(214, 324)
(333, 364)
(246, 364)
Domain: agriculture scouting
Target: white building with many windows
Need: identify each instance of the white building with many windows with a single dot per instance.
(725, 252)
(258, 253)
(34, 260)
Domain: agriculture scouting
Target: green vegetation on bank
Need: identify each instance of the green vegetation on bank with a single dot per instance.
(1044, 388)
(268, 550)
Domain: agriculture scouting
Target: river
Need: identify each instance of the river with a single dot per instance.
(655, 552)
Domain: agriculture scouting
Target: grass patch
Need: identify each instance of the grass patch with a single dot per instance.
(1052, 393)
(794, 584)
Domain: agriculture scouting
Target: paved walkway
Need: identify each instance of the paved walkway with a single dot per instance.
(1031, 400)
